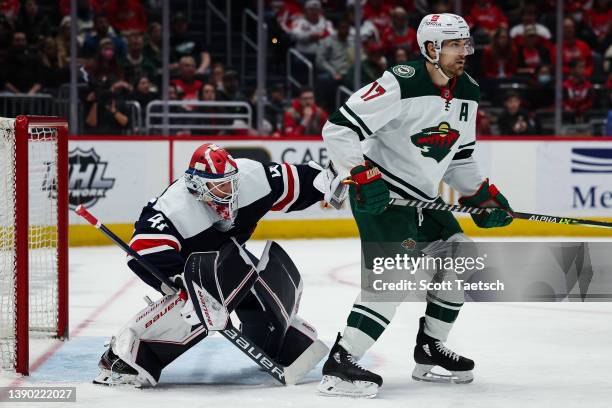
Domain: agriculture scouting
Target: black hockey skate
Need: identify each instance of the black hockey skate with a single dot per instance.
(430, 352)
(342, 376)
(114, 371)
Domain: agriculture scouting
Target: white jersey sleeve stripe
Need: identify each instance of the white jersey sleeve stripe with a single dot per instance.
(285, 185)
(149, 237)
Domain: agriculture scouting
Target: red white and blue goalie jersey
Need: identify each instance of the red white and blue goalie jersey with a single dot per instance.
(175, 224)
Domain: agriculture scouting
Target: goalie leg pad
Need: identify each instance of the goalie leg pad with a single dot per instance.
(155, 337)
(217, 281)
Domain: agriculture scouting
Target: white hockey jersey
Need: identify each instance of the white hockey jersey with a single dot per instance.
(416, 133)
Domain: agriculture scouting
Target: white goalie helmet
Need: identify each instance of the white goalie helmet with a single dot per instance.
(437, 28)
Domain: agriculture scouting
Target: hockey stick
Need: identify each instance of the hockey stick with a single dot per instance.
(478, 210)
(234, 335)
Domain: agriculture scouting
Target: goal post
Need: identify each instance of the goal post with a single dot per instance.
(33, 234)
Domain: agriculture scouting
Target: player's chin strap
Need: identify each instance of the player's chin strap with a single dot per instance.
(436, 64)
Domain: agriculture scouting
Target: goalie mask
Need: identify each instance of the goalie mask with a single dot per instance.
(212, 177)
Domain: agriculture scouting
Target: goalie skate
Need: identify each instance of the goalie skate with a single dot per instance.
(114, 371)
(430, 352)
(342, 376)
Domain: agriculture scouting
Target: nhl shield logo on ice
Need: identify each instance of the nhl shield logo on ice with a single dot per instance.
(404, 71)
(437, 141)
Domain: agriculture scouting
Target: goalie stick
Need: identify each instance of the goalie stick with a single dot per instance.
(478, 210)
(284, 375)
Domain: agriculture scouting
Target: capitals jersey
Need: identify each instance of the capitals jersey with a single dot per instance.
(175, 224)
(416, 133)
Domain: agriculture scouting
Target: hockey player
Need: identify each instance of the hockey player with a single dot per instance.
(400, 136)
(215, 207)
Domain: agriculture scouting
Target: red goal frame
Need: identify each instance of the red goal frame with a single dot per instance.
(23, 124)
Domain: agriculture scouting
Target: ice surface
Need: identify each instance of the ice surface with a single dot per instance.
(527, 354)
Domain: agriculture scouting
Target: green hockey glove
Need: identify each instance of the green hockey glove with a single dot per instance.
(367, 189)
(498, 213)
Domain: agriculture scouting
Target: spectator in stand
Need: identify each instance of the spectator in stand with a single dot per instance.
(34, 24)
(216, 75)
(105, 66)
(515, 120)
(136, 64)
(486, 18)
(399, 34)
(578, 92)
(532, 54)
(529, 16)
(183, 45)
(304, 117)
(379, 13)
(127, 16)
(107, 114)
(275, 109)
(86, 11)
(334, 54)
(22, 69)
(599, 19)
(287, 13)
(10, 10)
(231, 88)
(368, 31)
(309, 30)
(186, 83)
(102, 30)
(53, 72)
(573, 49)
(372, 67)
(499, 58)
(483, 123)
(209, 94)
(401, 56)
(334, 58)
(143, 93)
(153, 45)
(62, 41)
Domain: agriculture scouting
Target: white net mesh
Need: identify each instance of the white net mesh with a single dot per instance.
(42, 235)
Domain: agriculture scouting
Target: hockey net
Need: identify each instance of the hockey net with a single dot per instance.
(33, 235)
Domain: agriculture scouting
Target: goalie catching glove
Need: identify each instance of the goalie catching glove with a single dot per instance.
(367, 189)
(498, 213)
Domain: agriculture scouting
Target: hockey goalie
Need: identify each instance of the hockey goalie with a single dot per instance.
(194, 233)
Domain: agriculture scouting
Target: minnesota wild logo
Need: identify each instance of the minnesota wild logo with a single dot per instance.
(437, 141)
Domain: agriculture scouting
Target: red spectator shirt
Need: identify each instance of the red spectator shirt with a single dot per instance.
(391, 40)
(489, 17)
(190, 91)
(293, 120)
(579, 50)
(494, 67)
(381, 17)
(599, 22)
(10, 9)
(287, 13)
(126, 15)
(578, 95)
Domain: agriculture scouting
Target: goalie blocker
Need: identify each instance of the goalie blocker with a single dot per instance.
(264, 294)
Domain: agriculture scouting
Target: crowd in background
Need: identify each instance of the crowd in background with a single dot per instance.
(120, 59)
